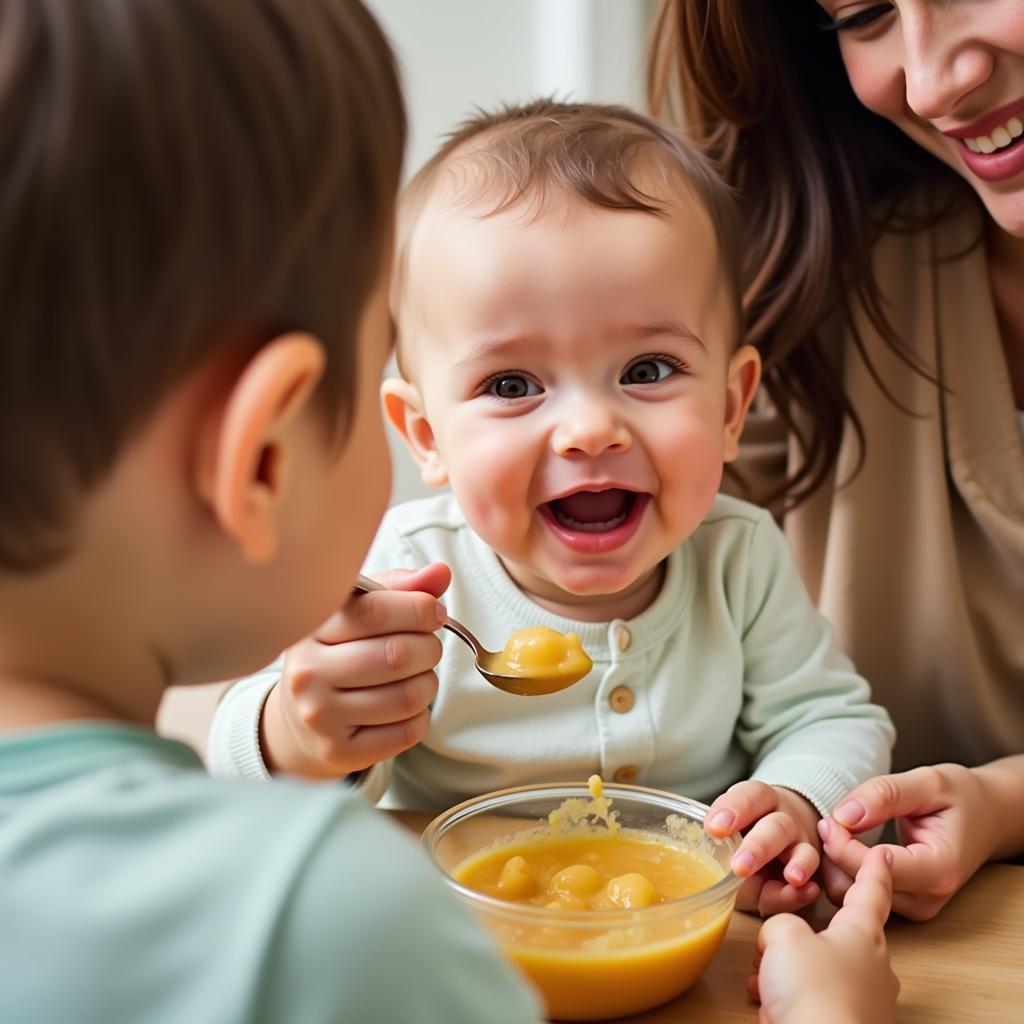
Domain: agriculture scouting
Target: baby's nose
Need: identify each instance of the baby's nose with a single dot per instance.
(589, 427)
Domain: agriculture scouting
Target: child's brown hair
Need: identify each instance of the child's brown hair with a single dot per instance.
(178, 178)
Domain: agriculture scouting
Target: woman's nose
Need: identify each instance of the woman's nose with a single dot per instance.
(944, 60)
(589, 427)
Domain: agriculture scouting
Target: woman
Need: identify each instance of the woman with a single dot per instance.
(878, 149)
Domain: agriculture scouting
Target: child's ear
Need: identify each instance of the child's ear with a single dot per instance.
(744, 373)
(403, 407)
(246, 446)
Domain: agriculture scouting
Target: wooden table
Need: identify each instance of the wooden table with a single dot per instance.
(965, 966)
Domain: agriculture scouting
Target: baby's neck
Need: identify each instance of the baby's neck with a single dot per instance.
(626, 604)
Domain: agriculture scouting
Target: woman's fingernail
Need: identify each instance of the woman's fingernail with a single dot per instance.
(823, 830)
(743, 863)
(441, 612)
(723, 819)
(849, 813)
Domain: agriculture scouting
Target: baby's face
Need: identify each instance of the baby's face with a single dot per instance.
(574, 369)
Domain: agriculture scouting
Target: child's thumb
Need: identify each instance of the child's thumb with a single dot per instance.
(431, 579)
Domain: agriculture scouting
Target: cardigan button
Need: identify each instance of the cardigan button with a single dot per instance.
(627, 773)
(621, 699)
(623, 638)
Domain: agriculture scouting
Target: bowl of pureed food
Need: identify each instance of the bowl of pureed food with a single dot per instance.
(610, 899)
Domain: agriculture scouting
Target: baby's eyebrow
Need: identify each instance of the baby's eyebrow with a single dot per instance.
(661, 328)
(487, 348)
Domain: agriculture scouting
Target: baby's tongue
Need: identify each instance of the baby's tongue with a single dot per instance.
(593, 506)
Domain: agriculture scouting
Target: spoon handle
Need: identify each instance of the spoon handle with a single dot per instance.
(366, 585)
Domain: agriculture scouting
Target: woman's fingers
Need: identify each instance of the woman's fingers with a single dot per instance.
(908, 794)
(916, 868)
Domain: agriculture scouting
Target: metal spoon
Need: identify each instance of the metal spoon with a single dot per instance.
(525, 686)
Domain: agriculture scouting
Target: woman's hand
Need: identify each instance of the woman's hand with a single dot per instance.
(841, 975)
(950, 820)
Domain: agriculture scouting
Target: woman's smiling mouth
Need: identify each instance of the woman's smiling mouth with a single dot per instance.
(595, 521)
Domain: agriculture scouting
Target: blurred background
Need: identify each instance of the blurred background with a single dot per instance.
(460, 54)
(457, 55)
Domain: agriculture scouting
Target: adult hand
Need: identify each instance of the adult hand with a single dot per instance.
(779, 853)
(841, 975)
(358, 690)
(945, 820)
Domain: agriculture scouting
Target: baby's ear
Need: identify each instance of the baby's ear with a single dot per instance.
(403, 407)
(744, 373)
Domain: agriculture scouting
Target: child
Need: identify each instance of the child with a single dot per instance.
(568, 316)
(195, 210)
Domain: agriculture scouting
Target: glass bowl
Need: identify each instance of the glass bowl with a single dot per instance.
(594, 964)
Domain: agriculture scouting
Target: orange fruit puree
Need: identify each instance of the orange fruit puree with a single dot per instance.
(586, 962)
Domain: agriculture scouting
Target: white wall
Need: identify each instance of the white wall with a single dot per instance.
(459, 54)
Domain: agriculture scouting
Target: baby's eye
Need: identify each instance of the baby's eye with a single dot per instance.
(648, 371)
(512, 386)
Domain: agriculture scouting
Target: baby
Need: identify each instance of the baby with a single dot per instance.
(568, 316)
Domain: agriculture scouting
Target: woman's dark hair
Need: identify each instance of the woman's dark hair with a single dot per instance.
(763, 90)
(178, 179)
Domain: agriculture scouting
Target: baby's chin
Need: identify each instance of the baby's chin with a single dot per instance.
(592, 593)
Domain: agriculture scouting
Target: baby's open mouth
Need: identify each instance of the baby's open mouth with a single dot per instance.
(593, 511)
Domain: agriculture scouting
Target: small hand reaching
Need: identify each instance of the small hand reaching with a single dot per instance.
(841, 975)
(779, 854)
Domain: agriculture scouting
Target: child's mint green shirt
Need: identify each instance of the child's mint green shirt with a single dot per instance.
(134, 888)
(731, 673)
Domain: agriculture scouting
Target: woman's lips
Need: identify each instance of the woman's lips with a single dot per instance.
(593, 539)
(998, 166)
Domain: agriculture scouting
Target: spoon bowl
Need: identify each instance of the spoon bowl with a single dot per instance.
(488, 663)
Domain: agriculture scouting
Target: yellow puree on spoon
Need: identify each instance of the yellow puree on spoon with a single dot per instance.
(551, 659)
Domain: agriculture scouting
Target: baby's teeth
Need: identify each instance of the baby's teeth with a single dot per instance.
(1015, 126)
(985, 144)
(1001, 137)
(973, 146)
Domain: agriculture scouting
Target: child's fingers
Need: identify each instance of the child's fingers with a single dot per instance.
(374, 743)
(801, 862)
(764, 842)
(361, 663)
(869, 899)
(372, 705)
(781, 929)
(777, 897)
(382, 612)
(738, 807)
(916, 868)
(836, 881)
(908, 794)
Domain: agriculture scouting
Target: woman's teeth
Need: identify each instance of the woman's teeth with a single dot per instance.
(999, 139)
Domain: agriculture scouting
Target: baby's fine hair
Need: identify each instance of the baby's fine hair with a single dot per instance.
(602, 153)
(179, 180)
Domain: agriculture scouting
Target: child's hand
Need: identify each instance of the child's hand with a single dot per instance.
(943, 821)
(783, 829)
(841, 975)
(358, 690)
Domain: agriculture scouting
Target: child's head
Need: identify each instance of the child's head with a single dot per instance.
(196, 207)
(568, 312)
